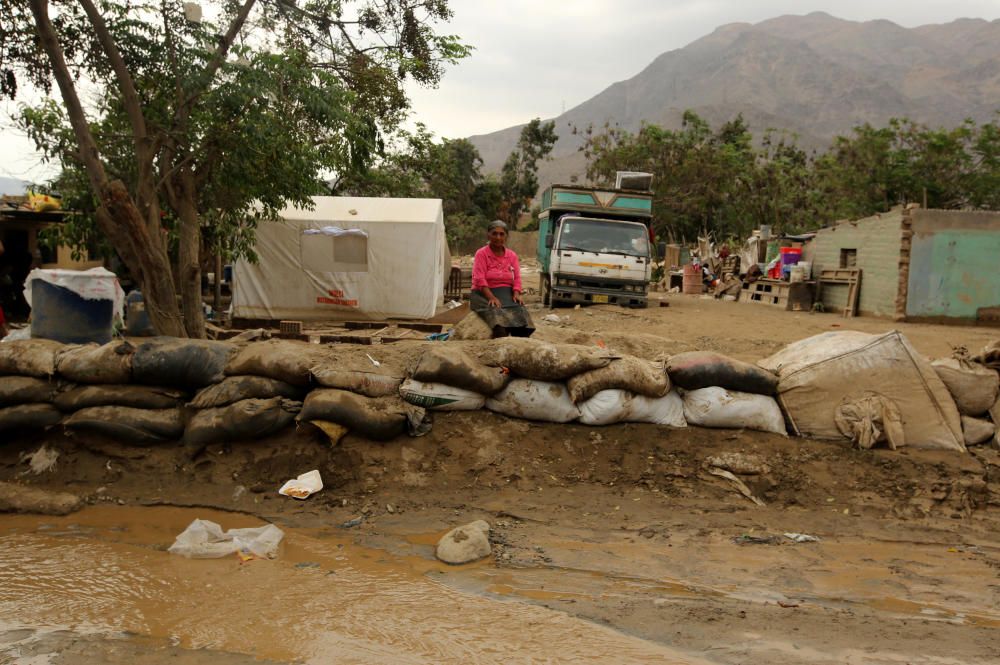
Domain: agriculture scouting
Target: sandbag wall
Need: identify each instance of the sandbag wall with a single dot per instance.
(865, 388)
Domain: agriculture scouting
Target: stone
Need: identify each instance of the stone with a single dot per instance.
(24, 499)
(465, 543)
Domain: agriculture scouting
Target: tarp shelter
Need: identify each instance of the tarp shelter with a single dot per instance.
(372, 258)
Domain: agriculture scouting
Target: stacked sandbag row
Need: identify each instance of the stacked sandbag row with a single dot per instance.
(974, 384)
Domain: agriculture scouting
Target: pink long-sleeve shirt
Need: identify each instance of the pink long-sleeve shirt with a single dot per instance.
(492, 271)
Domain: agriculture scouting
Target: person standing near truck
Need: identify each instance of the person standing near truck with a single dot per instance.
(496, 286)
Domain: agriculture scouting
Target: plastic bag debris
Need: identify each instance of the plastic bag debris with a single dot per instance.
(304, 486)
(204, 539)
(802, 537)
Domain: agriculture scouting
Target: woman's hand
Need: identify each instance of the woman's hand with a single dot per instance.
(517, 298)
(494, 301)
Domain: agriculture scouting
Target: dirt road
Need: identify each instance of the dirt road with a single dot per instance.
(621, 527)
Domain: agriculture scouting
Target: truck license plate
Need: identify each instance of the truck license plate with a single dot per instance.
(600, 298)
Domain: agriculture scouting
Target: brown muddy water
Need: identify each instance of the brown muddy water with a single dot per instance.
(105, 572)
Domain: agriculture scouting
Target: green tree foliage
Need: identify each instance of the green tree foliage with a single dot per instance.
(519, 175)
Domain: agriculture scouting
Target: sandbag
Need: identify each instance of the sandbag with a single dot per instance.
(869, 419)
(542, 361)
(995, 417)
(282, 359)
(452, 366)
(731, 409)
(26, 390)
(989, 355)
(973, 387)
(90, 363)
(367, 383)
(440, 397)
(376, 418)
(233, 389)
(471, 327)
(128, 425)
(701, 369)
(977, 430)
(811, 391)
(635, 375)
(243, 420)
(29, 357)
(812, 350)
(180, 363)
(535, 400)
(615, 406)
(29, 416)
(136, 397)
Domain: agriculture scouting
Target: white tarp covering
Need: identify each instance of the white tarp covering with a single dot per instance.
(93, 284)
(371, 258)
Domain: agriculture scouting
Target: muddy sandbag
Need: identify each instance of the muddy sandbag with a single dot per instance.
(29, 357)
(29, 416)
(635, 375)
(26, 390)
(471, 327)
(439, 397)
(731, 409)
(701, 369)
(234, 389)
(452, 366)
(989, 355)
(833, 369)
(129, 425)
(367, 383)
(620, 406)
(243, 420)
(282, 359)
(180, 363)
(137, 397)
(376, 418)
(973, 386)
(869, 419)
(535, 400)
(90, 363)
(542, 361)
(977, 430)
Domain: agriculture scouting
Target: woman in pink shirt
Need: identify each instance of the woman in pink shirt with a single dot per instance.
(496, 286)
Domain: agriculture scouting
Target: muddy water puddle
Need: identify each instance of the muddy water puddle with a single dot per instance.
(105, 570)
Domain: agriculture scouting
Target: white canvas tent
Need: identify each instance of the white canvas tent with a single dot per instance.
(369, 258)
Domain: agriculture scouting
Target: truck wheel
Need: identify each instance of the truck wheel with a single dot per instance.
(546, 289)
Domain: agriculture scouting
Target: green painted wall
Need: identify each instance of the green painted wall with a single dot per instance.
(954, 264)
(877, 241)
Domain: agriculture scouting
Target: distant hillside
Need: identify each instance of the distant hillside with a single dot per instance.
(12, 186)
(815, 75)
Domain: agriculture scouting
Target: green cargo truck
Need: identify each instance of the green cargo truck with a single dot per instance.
(595, 245)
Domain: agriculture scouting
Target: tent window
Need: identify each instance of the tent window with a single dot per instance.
(323, 253)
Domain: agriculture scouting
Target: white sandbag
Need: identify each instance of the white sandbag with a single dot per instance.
(718, 407)
(977, 430)
(620, 406)
(535, 400)
(834, 370)
(439, 397)
(369, 384)
(973, 386)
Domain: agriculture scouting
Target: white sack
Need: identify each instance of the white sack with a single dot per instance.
(977, 430)
(887, 366)
(439, 397)
(718, 407)
(535, 400)
(973, 386)
(204, 539)
(93, 284)
(616, 406)
(815, 349)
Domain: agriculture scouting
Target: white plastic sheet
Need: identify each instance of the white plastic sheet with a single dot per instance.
(204, 539)
(93, 284)
(304, 486)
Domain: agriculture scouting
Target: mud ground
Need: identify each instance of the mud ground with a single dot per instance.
(622, 525)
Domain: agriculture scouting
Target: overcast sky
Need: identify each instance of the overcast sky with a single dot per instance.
(537, 58)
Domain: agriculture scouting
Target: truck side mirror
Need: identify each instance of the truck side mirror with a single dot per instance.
(549, 240)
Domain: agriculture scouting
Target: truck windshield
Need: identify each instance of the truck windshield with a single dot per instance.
(588, 235)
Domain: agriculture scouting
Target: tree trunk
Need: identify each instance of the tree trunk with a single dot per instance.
(189, 257)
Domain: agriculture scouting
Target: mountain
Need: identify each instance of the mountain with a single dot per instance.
(13, 186)
(815, 75)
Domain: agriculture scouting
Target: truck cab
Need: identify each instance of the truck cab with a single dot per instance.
(594, 246)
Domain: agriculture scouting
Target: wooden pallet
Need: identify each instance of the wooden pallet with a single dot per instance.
(789, 296)
(850, 277)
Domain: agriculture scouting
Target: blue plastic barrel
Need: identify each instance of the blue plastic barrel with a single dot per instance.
(60, 314)
(137, 323)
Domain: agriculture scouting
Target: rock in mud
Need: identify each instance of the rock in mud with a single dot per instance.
(23, 499)
(464, 544)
